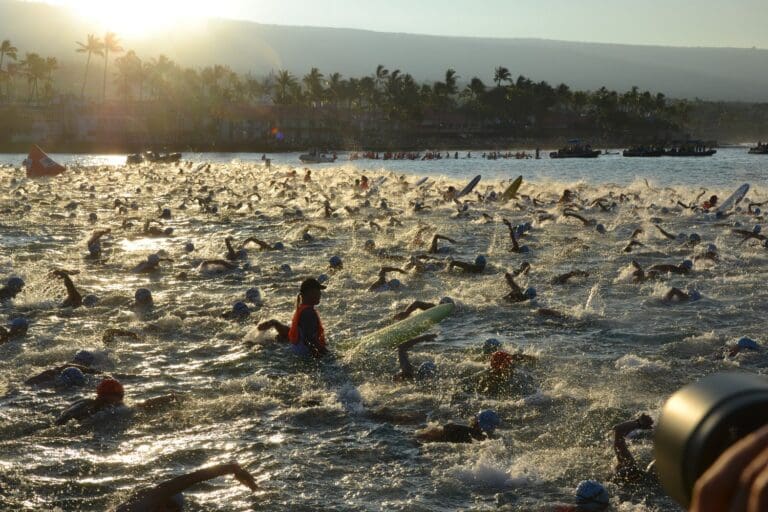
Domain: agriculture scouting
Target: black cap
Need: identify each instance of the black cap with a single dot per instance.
(311, 284)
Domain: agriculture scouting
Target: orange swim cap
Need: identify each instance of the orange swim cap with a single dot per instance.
(110, 387)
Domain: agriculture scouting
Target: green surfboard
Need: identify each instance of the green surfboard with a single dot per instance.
(511, 191)
(391, 336)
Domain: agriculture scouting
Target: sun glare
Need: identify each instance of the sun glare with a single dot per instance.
(137, 17)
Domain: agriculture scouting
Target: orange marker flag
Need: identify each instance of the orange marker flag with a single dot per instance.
(39, 164)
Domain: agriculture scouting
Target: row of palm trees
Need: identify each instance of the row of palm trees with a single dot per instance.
(391, 94)
(36, 69)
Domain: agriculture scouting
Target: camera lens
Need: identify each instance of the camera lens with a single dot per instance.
(700, 421)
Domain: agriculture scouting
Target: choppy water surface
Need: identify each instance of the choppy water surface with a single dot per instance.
(298, 426)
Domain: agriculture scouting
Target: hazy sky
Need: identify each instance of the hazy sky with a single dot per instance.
(739, 23)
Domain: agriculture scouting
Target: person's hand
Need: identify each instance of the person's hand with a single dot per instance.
(645, 421)
(738, 480)
(245, 478)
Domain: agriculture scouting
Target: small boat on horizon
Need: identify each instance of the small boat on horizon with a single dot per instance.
(760, 149)
(317, 157)
(575, 149)
(691, 148)
(152, 157)
(643, 151)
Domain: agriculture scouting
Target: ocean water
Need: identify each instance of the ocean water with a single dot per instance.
(338, 435)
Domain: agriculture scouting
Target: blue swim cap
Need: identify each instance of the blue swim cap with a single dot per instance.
(687, 264)
(446, 300)
(480, 261)
(427, 370)
(756, 229)
(241, 309)
(84, 358)
(307, 237)
(166, 214)
(528, 226)
(600, 229)
(694, 295)
(168, 231)
(664, 209)
(285, 268)
(757, 211)
(189, 247)
(530, 293)
(719, 215)
(748, 343)
(90, 300)
(369, 244)
(694, 237)
(15, 283)
(322, 278)
(19, 324)
(278, 246)
(491, 345)
(394, 284)
(143, 296)
(591, 496)
(488, 420)
(253, 295)
(72, 377)
(711, 248)
(335, 262)
(525, 249)
(153, 259)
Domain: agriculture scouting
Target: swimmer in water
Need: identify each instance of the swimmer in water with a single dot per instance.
(109, 396)
(167, 496)
(419, 306)
(381, 284)
(151, 230)
(500, 377)
(152, 264)
(264, 246)
(426, 370)
(233, 255)
(74, 299)
(678, 295)
(666, 234)
(82, 361)
(747, 235)
(12, 288)
(567, 197)
(481, 427)
(514, 232)
(683, 268)
(94, 242)
(627, 470)
(516, 293)
(563, 278)
(434, 249)
(240, 312)
(744, 343)
(17, 328)
(473, 268)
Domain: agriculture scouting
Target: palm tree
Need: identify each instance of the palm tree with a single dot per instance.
(35, 69)
(285, 83)
(128, 73)
(93, 46)
(51, 65)
(313, 81)
(111, 44)
(450, 82)
(501, 74)
(6, 48)
(335, 88)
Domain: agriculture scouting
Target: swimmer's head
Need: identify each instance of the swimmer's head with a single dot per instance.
(84, 358)
(525, 249)
(369, 245)
(501, 361)
(15, 284)
(285, 268)
(168, 231)
(367, 203)
(253, 295)
(480, 261)
(600, 228)
(240, 309)
(394, 284)
(71, 377)
(694, 295)
(153, 259)
(747, 343)
(90, 300)
(307, 237)
(143, 297)
(491, 345)
(488, 421)
(92, 217)
(711, 249)
(757, 211)
(166, 213)
(111, 390)
(322, 278)
(189, 247)
(446, 300)
(687, 264)
(335, 262)
(694, 238)
(427, 370)
(527, 226)
(756, 229)
(279, 246)
(591, 496)
(664, 210)
(19, 326)
(530, 293)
